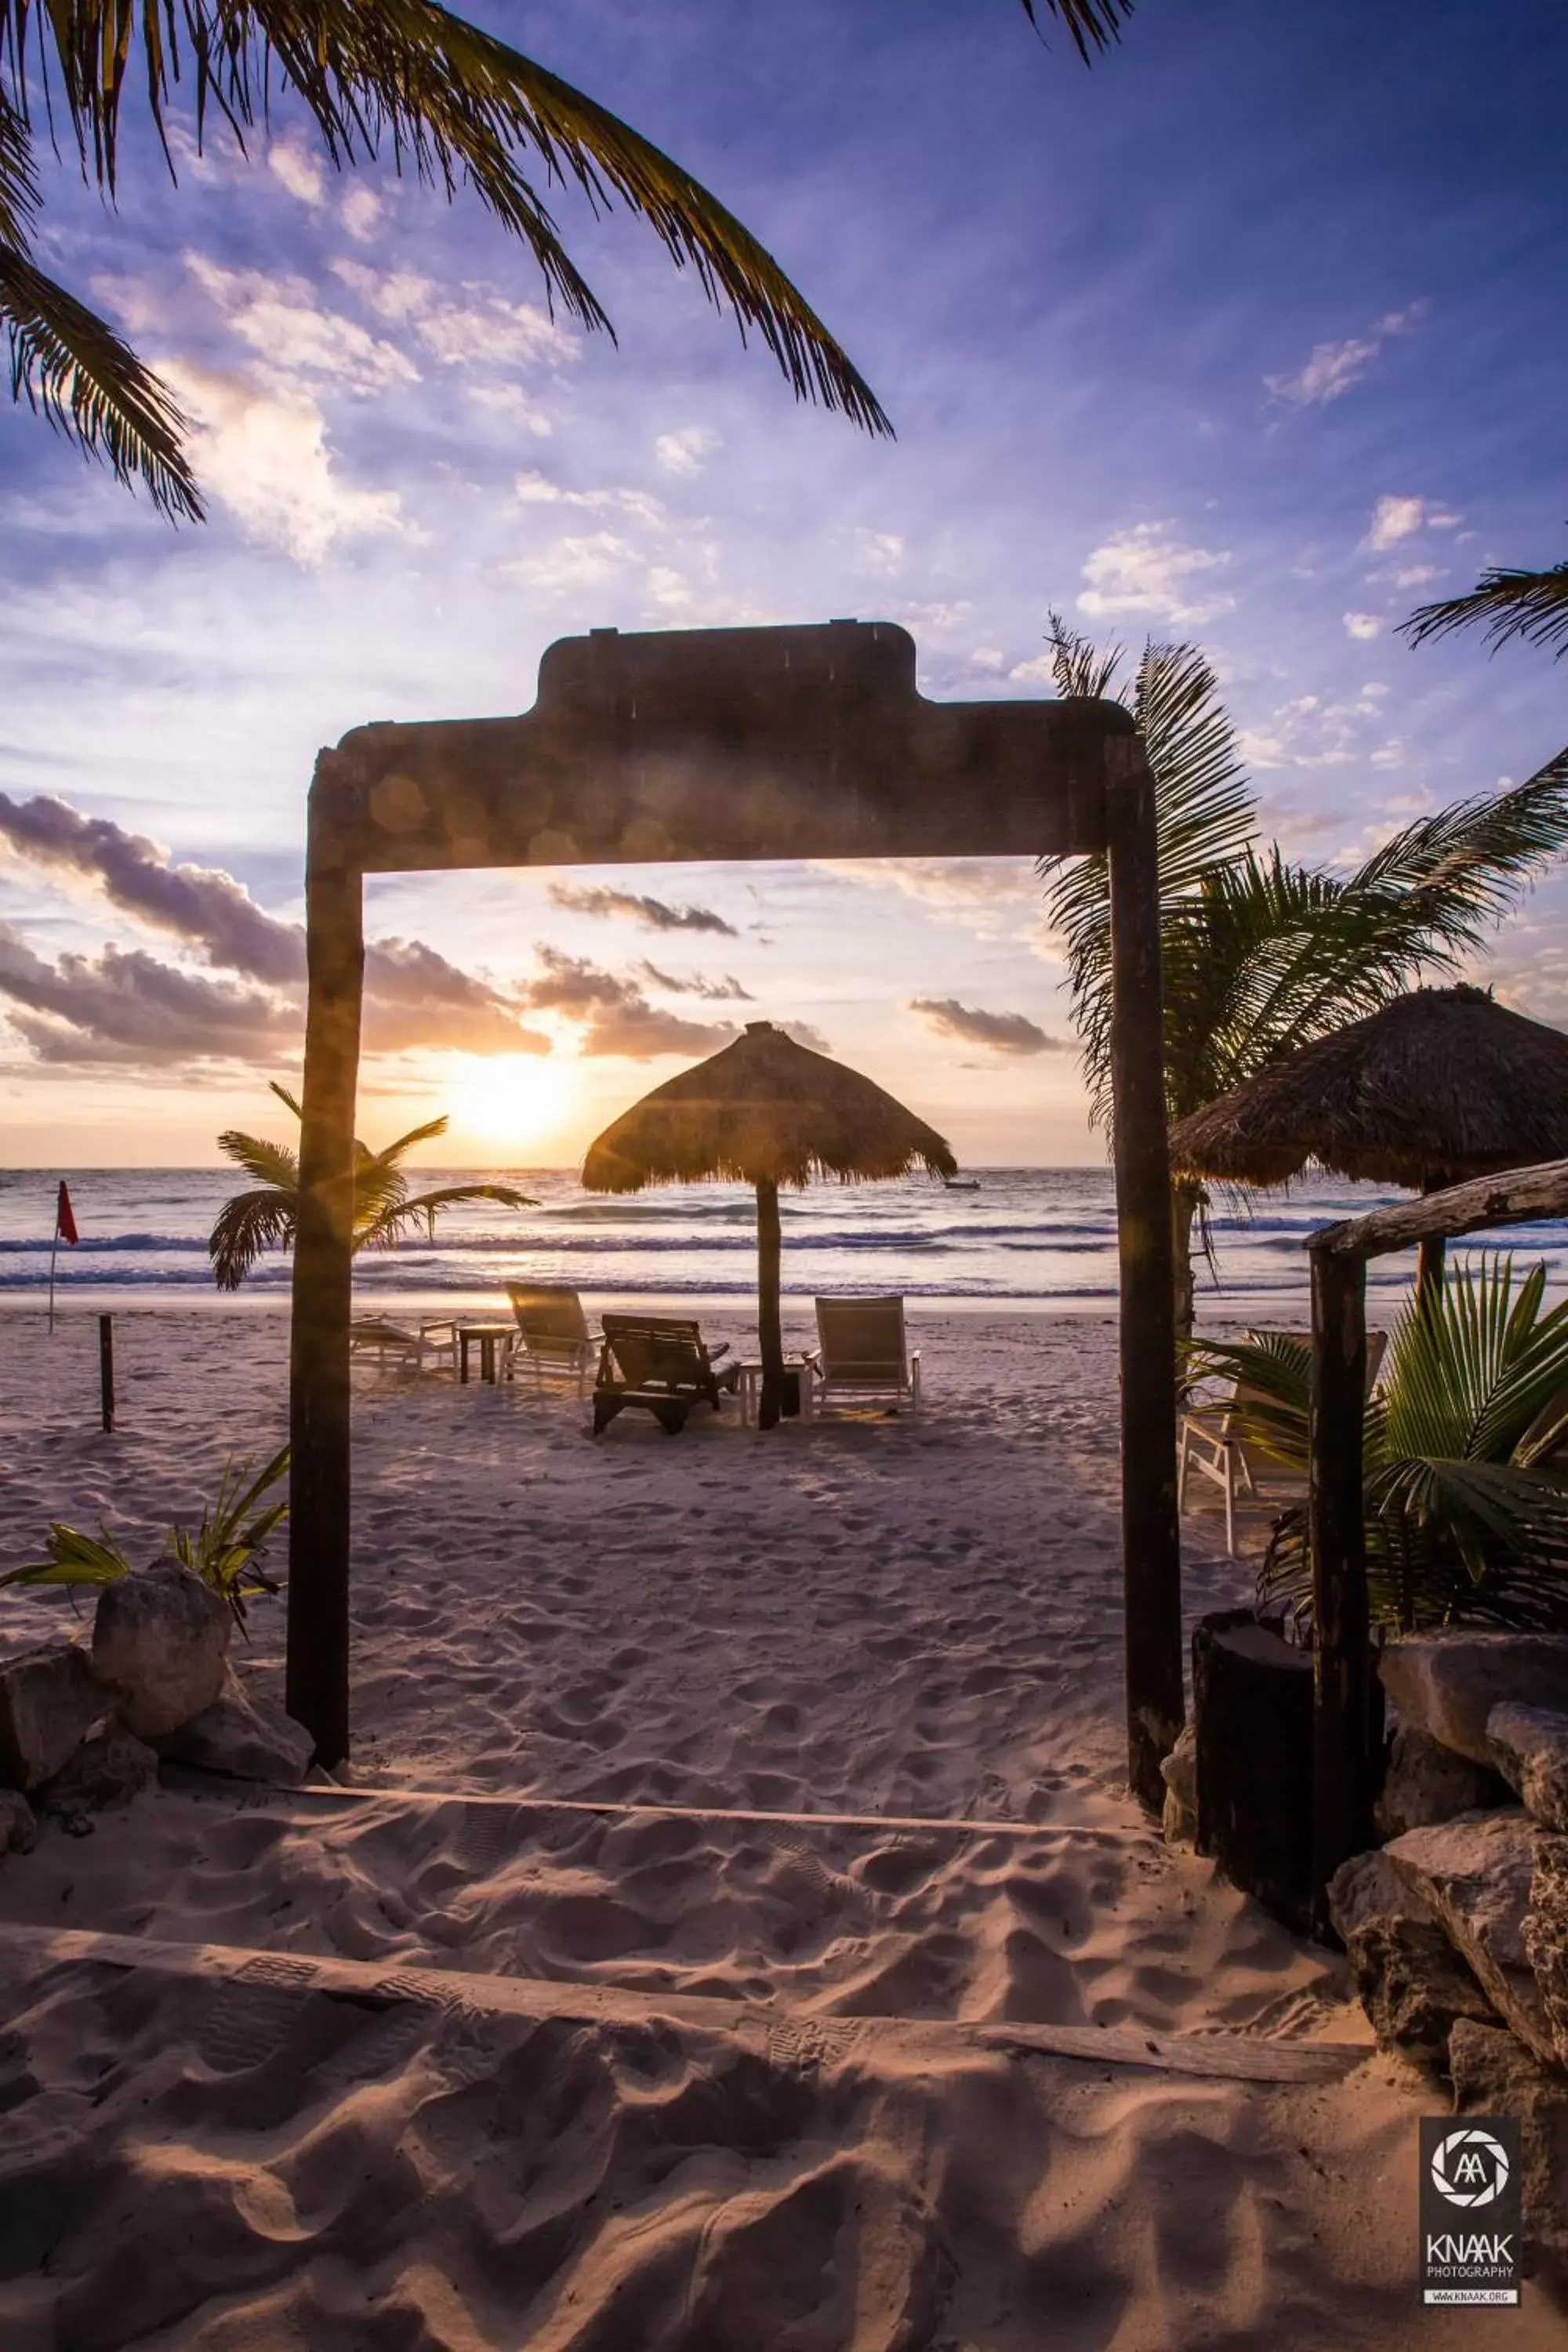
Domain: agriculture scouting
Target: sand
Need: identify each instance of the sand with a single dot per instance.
(674, 2078)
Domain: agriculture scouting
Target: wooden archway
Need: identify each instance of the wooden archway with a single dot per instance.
(717, 744)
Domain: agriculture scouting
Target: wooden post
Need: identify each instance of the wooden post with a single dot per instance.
(1151, 1534)
(770, 1277)
(106, 1371)
(1342, 1660)
(316, 1679)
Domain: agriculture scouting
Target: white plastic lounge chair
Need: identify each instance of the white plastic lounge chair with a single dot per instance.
(373, 1338)
(552, 1341)
(1213, 1436)
(862, 1355)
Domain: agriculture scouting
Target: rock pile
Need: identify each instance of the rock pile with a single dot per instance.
(83, 1728)
(1456, 1926)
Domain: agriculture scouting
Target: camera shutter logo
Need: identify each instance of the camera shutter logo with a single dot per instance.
(1470, 2168)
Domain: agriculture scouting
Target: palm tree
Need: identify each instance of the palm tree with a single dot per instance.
(406, 77)
(1261, 955)
(1465, 1481)
(268, 1216)
(1507, 603)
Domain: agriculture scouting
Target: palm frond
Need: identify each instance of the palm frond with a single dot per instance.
(74, 1557)
(1205, 818)
(1093, 25)
(387, 1229)
(1504, 603)
(405, 1143)
(70, 366)
(453, 105)
(249, 1224)
(276, 1086)
(269, 1163)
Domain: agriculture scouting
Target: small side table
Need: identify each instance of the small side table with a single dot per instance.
(492, 1340)
(751, 1386)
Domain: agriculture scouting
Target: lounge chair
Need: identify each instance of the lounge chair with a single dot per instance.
(553, 1341)
(862, 1355)
(372, 1338)
(1214, 1437)
(657, 1360)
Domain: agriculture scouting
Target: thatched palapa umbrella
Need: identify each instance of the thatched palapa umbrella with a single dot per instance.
(764, 1111)
(1439, 1086)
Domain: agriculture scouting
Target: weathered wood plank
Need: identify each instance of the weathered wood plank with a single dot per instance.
(1342, 1766)
(1513, 1198)
(838, 2040)
(1150, 1528)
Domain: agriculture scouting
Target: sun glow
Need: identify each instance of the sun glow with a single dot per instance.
(512, 1099)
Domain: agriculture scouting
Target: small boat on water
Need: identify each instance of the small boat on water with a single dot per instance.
(961, 1183)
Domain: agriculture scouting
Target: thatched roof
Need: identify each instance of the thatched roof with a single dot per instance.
(763, 1110)
(1442, 1084)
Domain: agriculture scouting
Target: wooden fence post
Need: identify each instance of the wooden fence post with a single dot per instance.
(1150, 1532)
(106, 1371)
(316, 1686)
(1342, 1662)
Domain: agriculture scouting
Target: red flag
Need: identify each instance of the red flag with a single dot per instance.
(65, 1223)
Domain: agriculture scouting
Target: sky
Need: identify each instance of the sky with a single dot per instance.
(1250, 337)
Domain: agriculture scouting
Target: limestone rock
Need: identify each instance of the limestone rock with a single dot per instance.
(18, 1830)
(1476, 1872)
(1493, 2077)
(160, 1641)
(1180, 1769)
(1427, 1782)
(1546, 1935)
(110, 1769)
(48, 1703)
(243, 1735)
(1529, 1745)
(1448, 1684)
(1412, 1982)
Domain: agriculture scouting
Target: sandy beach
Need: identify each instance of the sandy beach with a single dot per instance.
(771, 2100)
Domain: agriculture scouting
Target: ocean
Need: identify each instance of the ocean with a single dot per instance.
(1026, 1237)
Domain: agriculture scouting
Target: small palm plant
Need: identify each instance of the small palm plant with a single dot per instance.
(1466, 1496)
(221, 1551)
(269, 1217)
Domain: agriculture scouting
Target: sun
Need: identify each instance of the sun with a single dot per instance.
(512, 1099)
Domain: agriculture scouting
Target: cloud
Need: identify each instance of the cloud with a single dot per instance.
(1004, 1033)
(300, 171)
(1332, 368)
(128, 1007)
(1362, 625)
(486, 331)
(687, 452)
(263, 453)
(283, 321)
(413, 996)
(727, 991)
(617, 1017)
(1147, 569)
(198, 903)
(881, 551)
(653, 914)
(1395, 518)
(361, 214)
(510, 400)
(535, 489)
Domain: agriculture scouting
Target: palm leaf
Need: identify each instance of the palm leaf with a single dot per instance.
(453, 105)
(386, 1229)
(249, 1224)
(1094, 24)
(74, 1558)
(269, 1163)
(1504, 603)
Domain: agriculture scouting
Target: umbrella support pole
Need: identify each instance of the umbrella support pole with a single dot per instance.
(769, 1337)
(1342, 1644)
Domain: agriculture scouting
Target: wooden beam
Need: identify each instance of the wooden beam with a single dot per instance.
(1150, 1530)
(1516, 1197)
(316, 1677)
(1341, 1657)
(770, 1275)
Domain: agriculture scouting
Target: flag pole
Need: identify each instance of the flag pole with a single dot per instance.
(54, 1253)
